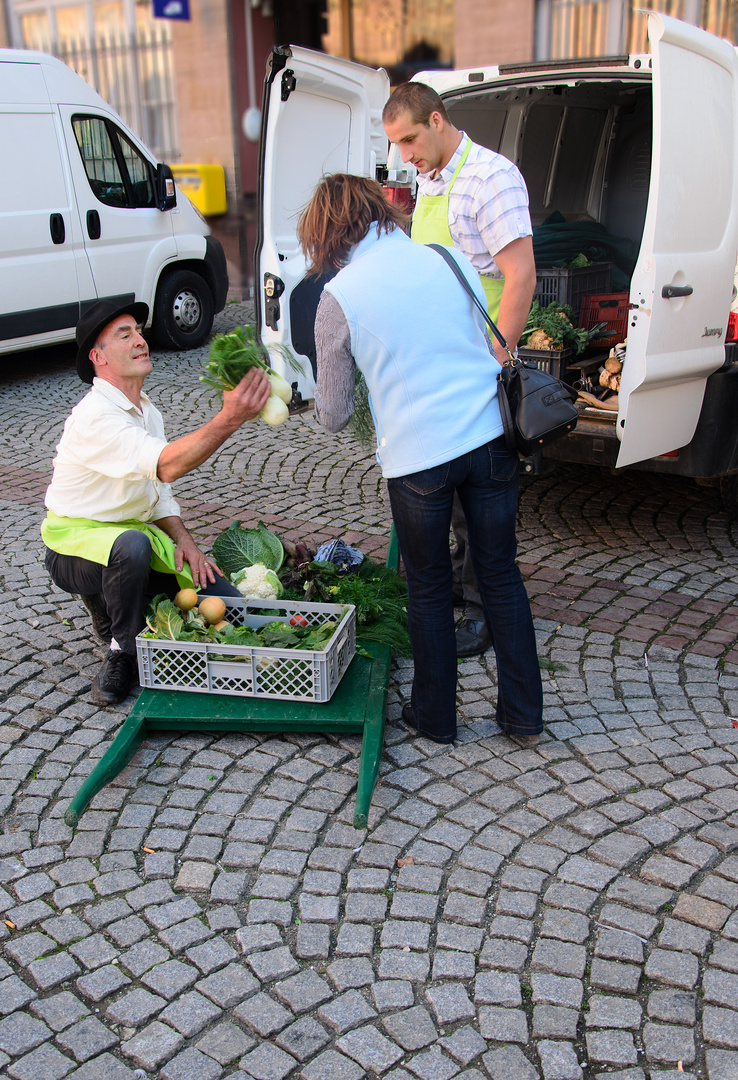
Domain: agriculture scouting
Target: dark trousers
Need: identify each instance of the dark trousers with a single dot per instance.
(487, 484)
(127, 584)
(465, 580)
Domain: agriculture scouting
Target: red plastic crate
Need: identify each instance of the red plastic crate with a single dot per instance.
(610, 308)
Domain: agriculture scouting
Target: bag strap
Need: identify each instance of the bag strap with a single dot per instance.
(448, 257)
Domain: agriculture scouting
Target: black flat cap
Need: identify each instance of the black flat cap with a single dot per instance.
(92, 324)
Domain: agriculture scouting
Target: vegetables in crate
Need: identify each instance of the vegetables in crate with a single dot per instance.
(238, 547)
(258, 581)
(553, 327)
(233, 354)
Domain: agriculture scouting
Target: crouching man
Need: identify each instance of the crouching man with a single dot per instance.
(113, 531)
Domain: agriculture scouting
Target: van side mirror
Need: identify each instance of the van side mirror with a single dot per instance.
(166, 193)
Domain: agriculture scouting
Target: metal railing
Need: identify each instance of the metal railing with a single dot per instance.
(135, 74)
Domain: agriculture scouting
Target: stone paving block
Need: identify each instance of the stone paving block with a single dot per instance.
(721, 1064)
(398, 964)
(671, 873)
(371, 1049)
(392, 994)
(559, 958)
(679, 969)
(412, 1028)
(554, 1022)
(639, 894)
(674, 1006)
(211, 955)
(565, 926)
(705, 913)
(557, 990)
(345, 974)
(60, 1010)
(229, 986)
(606, 1011)
(170, 978)
(263, 1015)
(143, 956)
(611, 1047)
(303, 1039)
(20, 1033)
(497, 988)
(450, 1003)
(303, 992)
(104, 1067)
(190, 1013)
(559, 1061)
(668, 1043)
(152, 1046)
(225, 1042)
(504, 954)
(44, 1063)
(503, 1025)
(135, 1007)
(619, 945)
(86, 1039)
(191, 1065)
(93, 951)
(53, 970)
(331, 1065)
(619, 978)
(720, 1027)
(29, 947)
(509, 1063)
(720, 988)
(680, 935)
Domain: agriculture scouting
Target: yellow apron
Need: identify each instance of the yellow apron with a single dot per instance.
(430, 226)
(93, 540)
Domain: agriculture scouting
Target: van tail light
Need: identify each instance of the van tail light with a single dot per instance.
(732, 331)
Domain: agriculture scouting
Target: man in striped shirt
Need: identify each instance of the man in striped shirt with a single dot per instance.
(474, 199)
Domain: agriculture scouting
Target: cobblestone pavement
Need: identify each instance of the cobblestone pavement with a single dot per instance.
(562, 913)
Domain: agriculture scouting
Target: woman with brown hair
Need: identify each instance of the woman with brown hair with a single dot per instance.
(395, 310)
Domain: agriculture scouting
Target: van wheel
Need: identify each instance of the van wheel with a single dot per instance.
(183, 311)
(729, 495)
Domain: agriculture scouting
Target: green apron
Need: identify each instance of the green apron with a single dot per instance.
(93, 540)
(430, 226)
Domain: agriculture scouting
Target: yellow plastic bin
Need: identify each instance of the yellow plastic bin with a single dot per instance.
(204, 186)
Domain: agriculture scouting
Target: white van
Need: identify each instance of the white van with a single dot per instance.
(87, 213)
(645, 145)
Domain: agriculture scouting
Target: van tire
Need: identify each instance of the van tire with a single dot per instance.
(183, 310)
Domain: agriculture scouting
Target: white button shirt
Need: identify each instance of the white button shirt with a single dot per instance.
(106, 460)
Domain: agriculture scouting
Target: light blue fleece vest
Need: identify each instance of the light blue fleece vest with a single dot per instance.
(419, 342)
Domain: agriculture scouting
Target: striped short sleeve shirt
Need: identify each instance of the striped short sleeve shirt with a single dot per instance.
(488, 204)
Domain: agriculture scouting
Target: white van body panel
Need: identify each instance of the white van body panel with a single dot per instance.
(131, 239)
(46, 280)
(330, 122)
(690, 239)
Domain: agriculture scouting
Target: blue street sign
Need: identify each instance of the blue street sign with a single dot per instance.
(171, 9)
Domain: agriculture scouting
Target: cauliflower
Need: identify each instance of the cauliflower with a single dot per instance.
(258, 582)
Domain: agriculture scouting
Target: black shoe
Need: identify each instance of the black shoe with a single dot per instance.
(101, 627)
(472, 637)
(409, 718)
(115, 679)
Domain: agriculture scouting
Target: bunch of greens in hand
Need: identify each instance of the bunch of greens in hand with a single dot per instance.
(233, 354)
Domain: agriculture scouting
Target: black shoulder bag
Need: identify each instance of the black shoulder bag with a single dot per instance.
(536, 408)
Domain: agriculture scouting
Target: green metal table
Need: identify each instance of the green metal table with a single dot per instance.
(357, 707)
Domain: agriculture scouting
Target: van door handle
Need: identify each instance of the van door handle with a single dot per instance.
(93, 224)
(669, 291)
(273, 289)
(56, 228)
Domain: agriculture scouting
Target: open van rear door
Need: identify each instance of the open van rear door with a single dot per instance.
(682, 285)
(321, 114)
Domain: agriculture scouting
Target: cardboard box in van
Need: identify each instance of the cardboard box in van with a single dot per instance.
(87, 213)
(645, 146)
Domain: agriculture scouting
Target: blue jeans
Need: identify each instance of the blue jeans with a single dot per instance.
(487, 483)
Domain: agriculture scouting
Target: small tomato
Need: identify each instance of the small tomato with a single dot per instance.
(298, 620)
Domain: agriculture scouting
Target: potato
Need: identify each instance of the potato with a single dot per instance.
(212, 609)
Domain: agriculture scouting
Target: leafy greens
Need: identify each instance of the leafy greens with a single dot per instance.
(238, 547)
